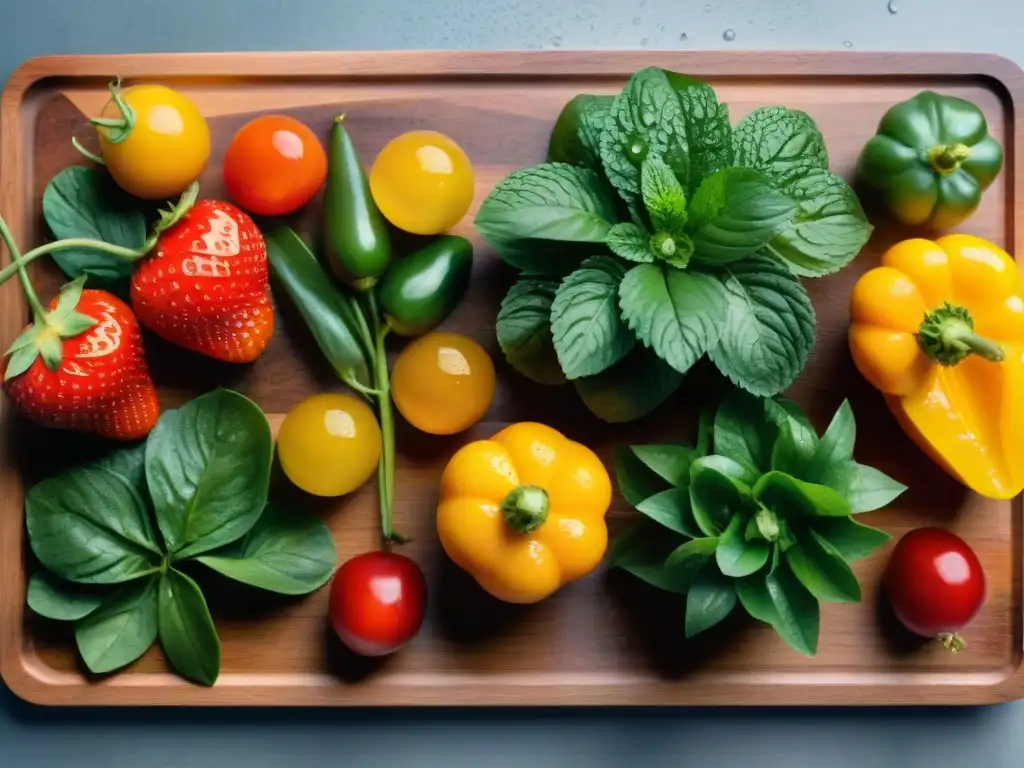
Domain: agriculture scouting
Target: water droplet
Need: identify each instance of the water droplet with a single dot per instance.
(707, 8)
(682, 37)
(636, 21)
(556, 41)
(729, 35)
(661, 27)
(643, 3)
(847, 44)
(893, 7)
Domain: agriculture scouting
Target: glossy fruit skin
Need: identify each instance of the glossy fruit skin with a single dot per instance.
(357, 243)
(274, 165)
(102, 384)
(422, 182)
(443, 383)
(329, 444)
(167, 148)
(205, 286)
(934, 582)
(378, 601)
(419, 291)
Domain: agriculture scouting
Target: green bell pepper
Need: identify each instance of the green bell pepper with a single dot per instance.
(931, 160)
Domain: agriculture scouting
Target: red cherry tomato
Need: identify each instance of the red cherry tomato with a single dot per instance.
(935, 584)
(274, 165)
(378, 601)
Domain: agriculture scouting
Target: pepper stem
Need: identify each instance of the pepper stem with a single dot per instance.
(952, 641)
(526, 508)
(947, 336)
(947, 158)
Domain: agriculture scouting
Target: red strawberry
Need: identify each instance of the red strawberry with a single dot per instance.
(205, 286)
(82, 367)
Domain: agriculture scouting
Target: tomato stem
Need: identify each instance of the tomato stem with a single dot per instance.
(952, 641)
(117, 128)
(98, 159)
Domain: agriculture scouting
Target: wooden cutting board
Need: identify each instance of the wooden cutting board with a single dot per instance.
(607, 639)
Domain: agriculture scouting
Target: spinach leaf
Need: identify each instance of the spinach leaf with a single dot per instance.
(630, 242)
(828, 230)
(779, 491)
(671, 509)
(635, 479)
(769, 326)
(849, 538)
(710, 599)
(779, 142)
(586, 326)
(735, 212)
(822, 570)
(736, 556)
(187, 634)
(732, 469)
(743, 433)
(836, 445)
(642, 554)
(776, 597)
(288, 551)
(707, 131)
(663, 195)
(523, 329)
(670, 462)
(865, 488)
(793, 451)
(82, 202)
(645, 119)
(208, 466)
(576, 135)
(687, 560)
(91, 524)
(121, 629)
(630, 389)
(677, 314)
(553, 201)
(62, 600)
(715, 497)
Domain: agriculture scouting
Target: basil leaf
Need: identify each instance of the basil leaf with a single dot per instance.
(630, 242)
(822, 570)
(769, 326)
(829, 229)
(736, 556)
(670, 462)
(734, 213)
(671, 509)
(645, 119)
(208, 466)
(790, 454)
(732, 469)
(523, 329)
(687, 560)
(543, 258)
(187, 634)
(121, 629)
(635, 479)
(92, 524)
(776, 597)
(642, 552)
(55, 598)
(553, 201)
(677, 314)
(710, 599)
(836, 445)
(782, 492)
(849, 538)
(865, 488)
(630, 389)
(288, 551)
(743, 433)
(707, 130)
(82, 202)
(588, 331)
(714, 497)
(663, 195)
(779, 142)
(577, 132)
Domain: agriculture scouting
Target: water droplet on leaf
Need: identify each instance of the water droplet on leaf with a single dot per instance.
(847, 44)
(644, 42)
(729, 35)
(556, 41)
(636, 21)
(893, 7)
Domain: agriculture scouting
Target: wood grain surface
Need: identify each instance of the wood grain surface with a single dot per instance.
(604, 640)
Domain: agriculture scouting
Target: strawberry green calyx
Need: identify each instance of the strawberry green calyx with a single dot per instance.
(174, 214)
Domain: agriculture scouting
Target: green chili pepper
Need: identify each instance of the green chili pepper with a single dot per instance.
(421, 290)
(356, 237)
(931, 160)
(333, 318)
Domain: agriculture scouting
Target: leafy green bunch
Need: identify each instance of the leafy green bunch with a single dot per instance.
(113, 536)
(759, 512)
(655, 221)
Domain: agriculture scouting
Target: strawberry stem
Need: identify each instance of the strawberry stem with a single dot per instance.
(19, 266)
(22, 261)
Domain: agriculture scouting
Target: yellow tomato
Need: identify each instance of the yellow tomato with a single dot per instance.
(443, 383)
(166, 146)
(422, 182)
(329, 444)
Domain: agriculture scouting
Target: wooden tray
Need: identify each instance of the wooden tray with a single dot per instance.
(607, 639)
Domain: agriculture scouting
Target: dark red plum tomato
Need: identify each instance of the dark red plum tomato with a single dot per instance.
(378, 601)
(935, 584)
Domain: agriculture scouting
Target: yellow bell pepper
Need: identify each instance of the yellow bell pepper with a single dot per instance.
(523, 512)
(938, 328)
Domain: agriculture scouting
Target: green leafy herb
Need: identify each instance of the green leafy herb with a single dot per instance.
(710, 599)
(671, 509)
(61, 600)
(736, 556)
(822, 569)
(630, 242)
(670, 462)
(577, 132)
(849, 538)
(121, 629)
(707, 131)
(523, 329)
(642, 555)
(663, 195)
(187, 634)
(775, 596)
(779, 142)
(686, 561)
(630, 389)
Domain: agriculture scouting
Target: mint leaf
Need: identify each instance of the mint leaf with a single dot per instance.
(734, 213)
(645, 119)
(820, 567)
(743, 432)
(707, 131)
(849, 538)
(544, 258)
(829, 228)
(775, 596)
(586, 326)
(663, 195)
(769, 326)
(710, 599)
(671, 509)
(630, 389)
(576, 135)
(554, 201)
(677, 314)
(779, 142)
(736, 556)
(865, 488)
(523, 329)
(630, 242)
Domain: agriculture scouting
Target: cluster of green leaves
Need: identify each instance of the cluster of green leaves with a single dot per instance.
(655, 221)
(114, 534)
(758, 513)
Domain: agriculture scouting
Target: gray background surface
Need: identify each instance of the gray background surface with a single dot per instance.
(981, 738)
